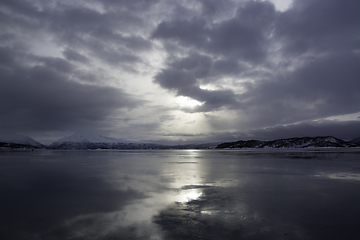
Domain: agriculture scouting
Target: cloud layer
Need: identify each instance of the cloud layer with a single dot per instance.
(70, 66)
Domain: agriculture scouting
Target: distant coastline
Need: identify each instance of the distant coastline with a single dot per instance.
(88, 143)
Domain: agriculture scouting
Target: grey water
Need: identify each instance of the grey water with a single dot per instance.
(180, 194)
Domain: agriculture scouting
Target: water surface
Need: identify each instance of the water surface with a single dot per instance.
(180, 194)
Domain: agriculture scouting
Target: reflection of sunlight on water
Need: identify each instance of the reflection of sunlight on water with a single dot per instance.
(208, 212)
(185, 171)
(189, 195)
(178, 178)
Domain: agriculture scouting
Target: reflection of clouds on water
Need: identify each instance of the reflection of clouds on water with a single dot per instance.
(178, 195)
(109, 226)
(40, 200)
(340, 176)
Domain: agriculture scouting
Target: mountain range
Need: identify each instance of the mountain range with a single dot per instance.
(11, 140)
(96, 141)
(303, 142)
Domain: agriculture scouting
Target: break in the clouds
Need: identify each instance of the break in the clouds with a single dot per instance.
(180, 70)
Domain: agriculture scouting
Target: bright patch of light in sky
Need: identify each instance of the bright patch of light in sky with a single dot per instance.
(345, 117)
(281, 5)
(209, 87)
(188, 102)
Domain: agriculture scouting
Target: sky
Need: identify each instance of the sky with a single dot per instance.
(180, 71)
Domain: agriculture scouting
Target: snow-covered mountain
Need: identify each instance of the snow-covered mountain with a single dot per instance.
(355, 141)
(12, 140)
(96, 141)
(89, 137)
(304, 142)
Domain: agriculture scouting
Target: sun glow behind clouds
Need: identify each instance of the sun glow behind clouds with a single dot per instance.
(282, 5)
(188, 102)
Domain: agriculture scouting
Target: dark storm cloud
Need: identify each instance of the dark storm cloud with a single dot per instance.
(323, 87)
(228, 45)
(98, 34)
(243, 36)
(268, 67)
(181, 78)
(57, 64)
(303, 62)
(320, 26)
(321, 35)
(187, 32)
(129, 5)
(211, 8)
(44, 96)
(206, 68)
(49, 93)
(107, 36)
(72, 55)
(185, 75)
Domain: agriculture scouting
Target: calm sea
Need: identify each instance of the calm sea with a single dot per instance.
(180, 194)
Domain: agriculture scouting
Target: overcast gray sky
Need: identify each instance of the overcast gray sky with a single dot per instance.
(180, 71)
